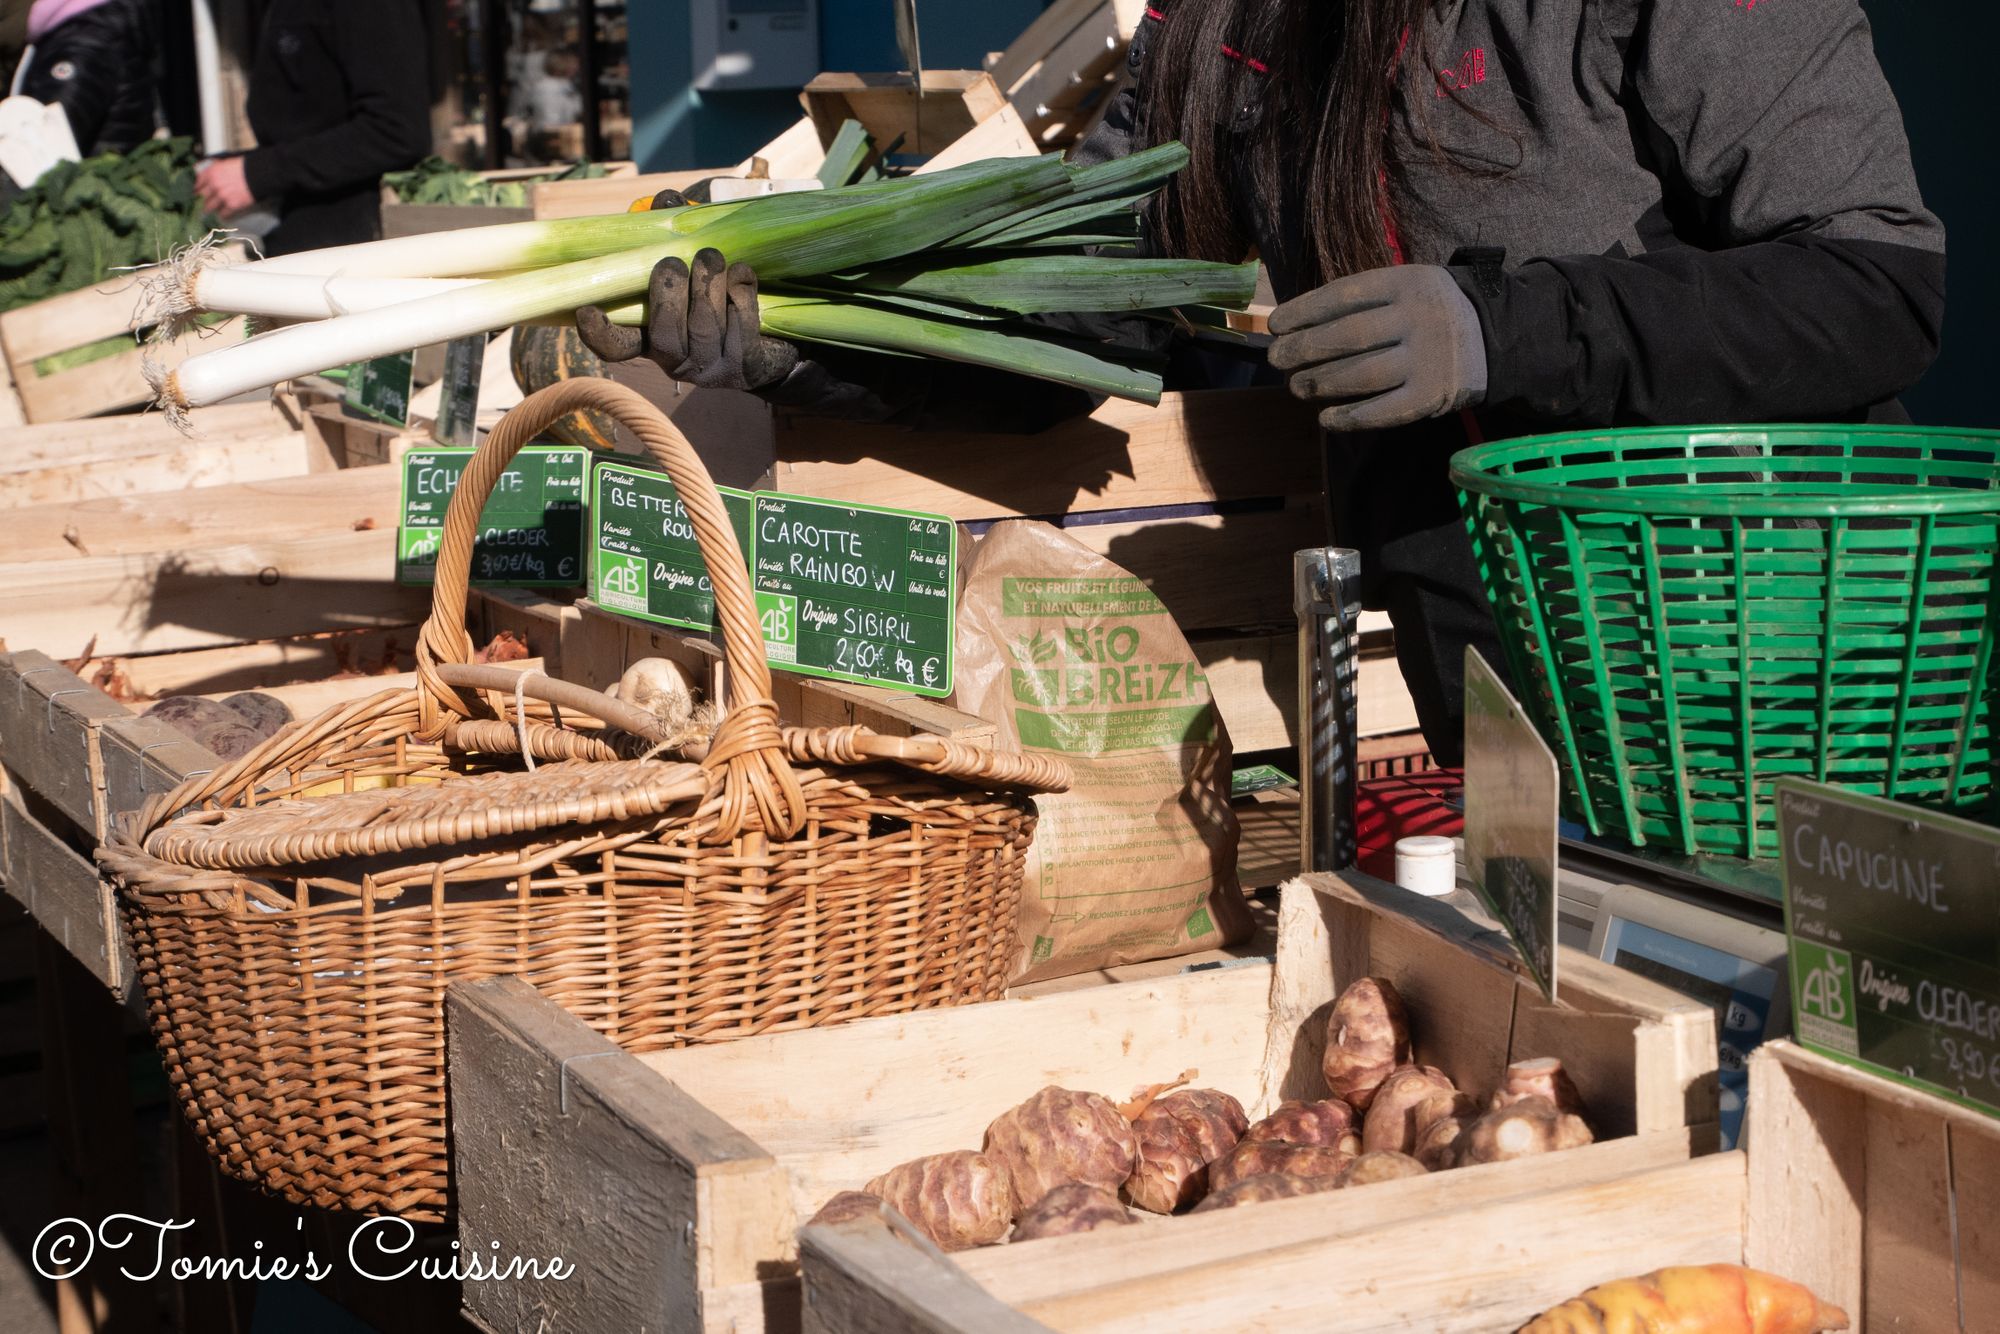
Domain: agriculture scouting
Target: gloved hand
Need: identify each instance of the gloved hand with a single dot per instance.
(1383, 348)
(702, 325)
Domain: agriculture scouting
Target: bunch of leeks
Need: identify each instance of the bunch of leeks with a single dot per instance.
(944, 265)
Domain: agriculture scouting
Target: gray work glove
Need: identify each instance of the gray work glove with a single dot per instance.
(1383, 348)
(702, 325)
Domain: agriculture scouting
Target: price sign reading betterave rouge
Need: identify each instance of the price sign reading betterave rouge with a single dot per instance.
(857, 593)
(646, 562)
(530, 533)
(1893, 916)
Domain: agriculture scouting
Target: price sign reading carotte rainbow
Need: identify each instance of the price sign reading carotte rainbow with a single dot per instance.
(646, 562)
(530, 532)
(1893, 914)
(857, 593)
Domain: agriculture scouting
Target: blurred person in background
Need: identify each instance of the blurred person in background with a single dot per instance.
(96, 60)
(339, 94)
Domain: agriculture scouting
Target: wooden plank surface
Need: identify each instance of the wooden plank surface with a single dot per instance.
(1808, 1138)
(1077, 62)
(271, 662)
(112, 382)
(48, 734)
(202, 597)
(60, 889)
(797, 153)
(1002, 134)
(839, 1105)
(1219, 445)
(871, 1276)
(1486, 1268)
(141, 435)
(143, 757)
(563, 1145)
(1039, 38)
(190, 464)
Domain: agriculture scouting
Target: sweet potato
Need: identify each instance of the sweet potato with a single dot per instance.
(845, 1208)
(1326, 1122)
(1059, 1136)
(1442, 1119)
(959, 1200)
(1540, 1078)
(1258, 1189)
(1716, 1299)
(1391, 1125)
(1070, 1210)
(1520, 1130)
(1178, 1137)
(1259, 1157)
(1372, 1167)
(1367, 1037)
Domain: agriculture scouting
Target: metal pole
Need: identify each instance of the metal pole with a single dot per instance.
(1324, 580)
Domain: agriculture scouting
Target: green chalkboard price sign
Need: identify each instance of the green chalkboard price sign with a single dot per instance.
(530, 533)
(645, 561)
(857, 593)
(1511, 796)
(458, 404)
(1893, 917)
(381, 388)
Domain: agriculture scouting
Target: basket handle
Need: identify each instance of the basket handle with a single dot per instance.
(759, 789)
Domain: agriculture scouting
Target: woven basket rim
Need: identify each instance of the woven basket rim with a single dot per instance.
(1471, 472)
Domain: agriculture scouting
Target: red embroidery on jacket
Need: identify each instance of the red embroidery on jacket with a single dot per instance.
(1470, 71)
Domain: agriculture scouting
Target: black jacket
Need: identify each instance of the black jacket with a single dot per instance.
(1707, 214)
(100, 67)
(339, 94)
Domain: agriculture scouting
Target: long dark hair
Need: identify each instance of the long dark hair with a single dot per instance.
(1329, 70)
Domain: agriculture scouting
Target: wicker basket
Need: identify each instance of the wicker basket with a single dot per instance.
(1693, 614)
(297, 915)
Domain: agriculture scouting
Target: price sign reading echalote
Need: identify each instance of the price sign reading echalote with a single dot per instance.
(1511, 795)
(381, 388)
(645, 561)
(530, 533)
(1893, 918)
(857, 593)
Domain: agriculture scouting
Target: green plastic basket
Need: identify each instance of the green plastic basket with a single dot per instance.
(1693, 614)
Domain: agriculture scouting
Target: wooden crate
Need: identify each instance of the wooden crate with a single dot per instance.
(954, 102)
(64, 462)
(675, 1180)
(1060, 73)
(1883, 1201)
(75, 320)
(400, 219)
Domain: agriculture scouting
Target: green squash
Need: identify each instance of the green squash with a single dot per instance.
(545, 354)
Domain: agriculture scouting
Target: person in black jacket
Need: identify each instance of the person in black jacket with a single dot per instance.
(1481, 218)
(96, 59)
(339, 95)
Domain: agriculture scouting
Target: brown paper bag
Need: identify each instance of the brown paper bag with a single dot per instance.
(1069, 654)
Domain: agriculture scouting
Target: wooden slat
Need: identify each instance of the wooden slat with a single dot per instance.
(611, 194)
(113, 382)
(1219, 445)
(272, 662)
(212, 516)
(143, 757)
(213, 595)
(954, 101)
(1002, 134)
(48, 734)
(868, 1275)
(1072, 67)
(556, 1134)
(1040, 37)
(193, 463)
(1459, 1271)
(794, 155)
(141, 435)
(60, 888)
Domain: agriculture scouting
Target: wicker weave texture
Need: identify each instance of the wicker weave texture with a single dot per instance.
(297, 915)
(1692, 616)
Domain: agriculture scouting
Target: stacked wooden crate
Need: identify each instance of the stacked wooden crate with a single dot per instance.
(1060, 74)
(675, 1181)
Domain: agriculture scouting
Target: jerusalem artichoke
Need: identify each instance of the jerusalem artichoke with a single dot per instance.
(1059, 1136)
(1367, 1037)
(959, 1200)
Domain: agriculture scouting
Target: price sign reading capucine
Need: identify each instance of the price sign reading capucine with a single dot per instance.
(646, 562)
(857, 593)
(530, 532)
(1893, 914)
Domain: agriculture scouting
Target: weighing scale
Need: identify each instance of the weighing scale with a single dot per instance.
(1710, 927)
